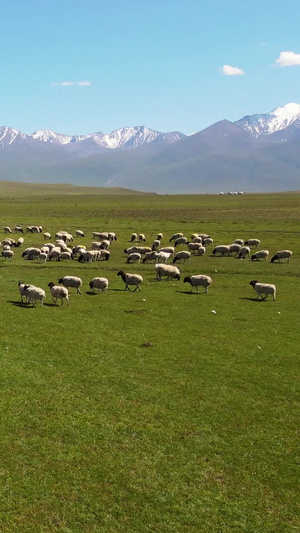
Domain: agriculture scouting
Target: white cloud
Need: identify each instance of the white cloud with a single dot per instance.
(232, 71)
(288, 59)
(67, 83)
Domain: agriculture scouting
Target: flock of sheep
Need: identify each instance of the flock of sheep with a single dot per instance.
(137, 252)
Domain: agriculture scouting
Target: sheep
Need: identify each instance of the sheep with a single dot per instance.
(245, 250)
(99, 283)
(207, 241)
(6, 247)
(239, 241)
(54, 253)
(79, 233)
(19, 242)
(263, 289)
(167, 249)
(104, 255)
(61, 244)
(49, 245)
(18, 229)
(182, 256)
(7, 254)
(133, 237)
(197, 239)
(222, 249)
(281, 255)
(134, 257)
(163, 257)
(262, 254)
(175, 236)
(234, 248)
(140, 249)
(22, 286)
(150, 256)
(7, 229)
(131, 279)
(71, 281)
(58, 293)
(105, 244)
(203, 235)
(156, 244)
(170, 271)
(96, 245)
(198, 281)
(65, 256)
(194, 246)
(159, 237)
(10, 242)
(79, 249)
(88, 256)
(47, 235)
(252, 242)
(180, 240)
(141, 237)
(31, 253)
(34, 294)
(43, 257)
(112, 236)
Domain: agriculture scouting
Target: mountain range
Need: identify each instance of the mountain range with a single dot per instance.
(256, 153)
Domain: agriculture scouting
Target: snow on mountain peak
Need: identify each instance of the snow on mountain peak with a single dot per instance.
(276, 120)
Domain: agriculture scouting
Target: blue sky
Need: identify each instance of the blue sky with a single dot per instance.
(82, 66)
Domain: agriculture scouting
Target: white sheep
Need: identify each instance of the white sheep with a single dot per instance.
(281, 255)
(159, 236)
(263, 289)
(198, 281)
(234, 248)
(139, 249)
(175, 236)
(99, 283)
(141, 237)
(104, 255)
(31, 253)
(58, 293)
(7, 229)
(252, 242)
(79, 233)
(194, 246)
(222, 249)
(239, 241)
(43, 257)
(65, 256)
(156, 245)
(180, 240)
(167, 249)
(244, 251)
(18, 229)
(47, 235)
(78, 250)
(163, 257)
(182, 256)
(34, 294)
(131, 279)
(19, 242)
(112, 236)
(170, 271)
(150, 256)
(54, 253)
(22, 286)
(135, 257)
(71, 281)
(262, 254)
(133, 237)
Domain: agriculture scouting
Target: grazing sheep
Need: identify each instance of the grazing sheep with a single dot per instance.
(198, 281)
(180, 240)
(131, 279)
(58, 293)
(252, 242)
(156, 245)
(263, 254)
(88, 256)
(104, 255)
(134, 258)
(78, 250)
(163, 257)
(133, 237)
(222, 249)
(71, 281)
(43, 257)
(54, 253)
(175, 236)
(7, 254)
(194, 247)
(234, 248)
(281, 255)
(79, 233)
(34, 294)
(139, 249)
(239, 241)
(19, 242)
(99, 283)
(197, 239)
(112, 236)
(263, 289)
(7, 229)
(105, 244)
(141, 237)
(150, 256)
(31, 253)
(47, 235)
(182, 256)
(10, 242)
(244, 251)
(6, 247)
(65, 256)
(167, 249)
(159, 236)
(170, 271)
(61, 244)
(18, 229)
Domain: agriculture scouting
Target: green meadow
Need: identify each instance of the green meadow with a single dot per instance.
(144, 411)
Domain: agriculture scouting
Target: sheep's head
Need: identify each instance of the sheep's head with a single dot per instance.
(51, 284)
(187, 279)
(253, 282)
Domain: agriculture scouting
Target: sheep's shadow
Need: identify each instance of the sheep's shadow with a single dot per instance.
(190, 292)
(118, 290)
(51, 305)
(24, 305)
(251, 299)
(91, 293)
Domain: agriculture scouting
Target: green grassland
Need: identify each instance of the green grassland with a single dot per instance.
(146, 412)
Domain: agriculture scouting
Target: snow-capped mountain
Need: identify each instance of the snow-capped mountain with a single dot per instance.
(127, 137)
(277, 120)
(10, 135)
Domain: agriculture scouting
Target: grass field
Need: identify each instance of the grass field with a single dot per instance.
(196, 432)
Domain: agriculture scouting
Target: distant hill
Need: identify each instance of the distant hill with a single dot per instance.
(256, 153)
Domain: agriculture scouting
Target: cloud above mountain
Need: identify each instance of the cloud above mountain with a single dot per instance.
(68, 83)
